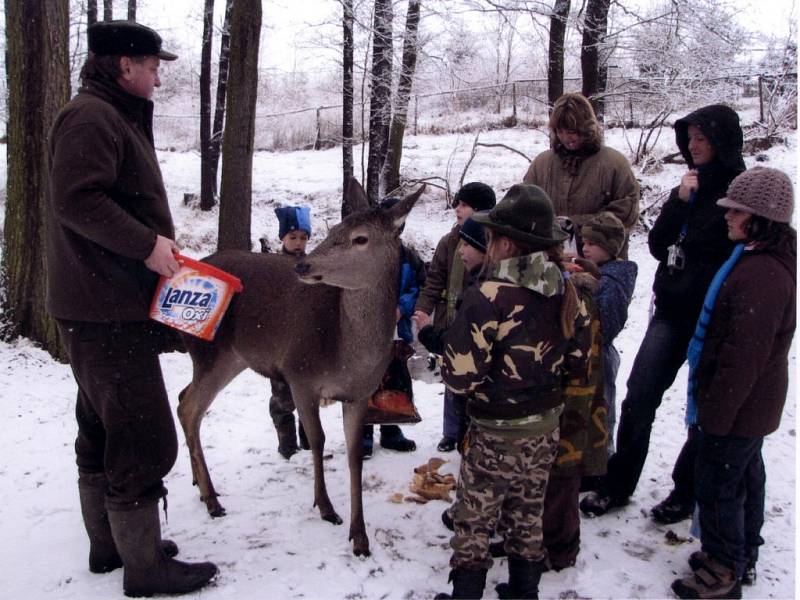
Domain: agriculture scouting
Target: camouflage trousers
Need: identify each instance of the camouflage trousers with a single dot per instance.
(507, 476)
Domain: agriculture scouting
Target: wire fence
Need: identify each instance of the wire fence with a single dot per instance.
(631, 102)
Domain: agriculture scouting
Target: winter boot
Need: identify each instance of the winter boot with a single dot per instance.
(468, 584)
(103, 555)
(750, 573)
(366, 442)
(523, 579)
(446, 444)
(596, 504)
(672, 509)
(148, 570)
(710, 580)
(301, 433)
(392, 438)
(287, 438)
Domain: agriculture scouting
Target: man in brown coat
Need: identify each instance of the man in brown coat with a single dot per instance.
(581, 175)
(110, 237)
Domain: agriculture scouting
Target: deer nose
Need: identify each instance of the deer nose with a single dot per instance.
(302, 268)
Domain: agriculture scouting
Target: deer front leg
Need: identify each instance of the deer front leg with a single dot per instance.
(353, 413)
(308, 410)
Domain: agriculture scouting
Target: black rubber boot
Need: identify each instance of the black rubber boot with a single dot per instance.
(392, 438)
(301, 433)
(287, 438)
(103, 555)
(672, 509)
(524, 576)
(468, 584)
(148, 570)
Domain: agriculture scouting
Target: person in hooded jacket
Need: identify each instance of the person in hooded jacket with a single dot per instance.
(689, 239)
(738, 379)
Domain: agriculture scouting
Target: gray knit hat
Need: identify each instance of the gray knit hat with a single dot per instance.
(605, 230)
(762, 191)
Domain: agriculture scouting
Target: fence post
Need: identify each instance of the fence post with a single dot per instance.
(514, 100)
(760, 101)
(416, 112)
(318, 141)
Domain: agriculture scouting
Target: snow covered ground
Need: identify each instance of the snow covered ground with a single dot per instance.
(272, 543)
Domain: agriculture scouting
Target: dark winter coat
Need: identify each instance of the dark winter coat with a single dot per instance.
(107, 204)
(604, 182)
(742, 376)
(583, 432)
(443, 287)
(679, 294)
(505, 349)
(613, 295)
(411, 280)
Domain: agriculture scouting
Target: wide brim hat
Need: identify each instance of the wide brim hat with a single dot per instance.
(525, 214)
(126, 38)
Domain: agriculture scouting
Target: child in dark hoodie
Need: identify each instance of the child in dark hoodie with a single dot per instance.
(603, 238)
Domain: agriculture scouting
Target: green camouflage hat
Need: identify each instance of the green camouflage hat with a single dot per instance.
(605, 230)
(525, 214)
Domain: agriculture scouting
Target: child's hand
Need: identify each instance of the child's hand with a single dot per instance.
(421, 319)
(587, 265)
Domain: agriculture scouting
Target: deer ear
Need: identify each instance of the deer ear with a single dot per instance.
(355, 197)
(400, 211)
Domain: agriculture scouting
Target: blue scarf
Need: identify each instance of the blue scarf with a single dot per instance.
(698, 339)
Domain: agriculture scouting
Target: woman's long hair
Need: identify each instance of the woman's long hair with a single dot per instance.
(575, 113)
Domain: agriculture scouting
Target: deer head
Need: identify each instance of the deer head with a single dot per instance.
(357, 250)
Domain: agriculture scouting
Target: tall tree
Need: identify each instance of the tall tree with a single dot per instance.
(391, 168)
(555, 57)
(222, 89)
(108, 10)
(347, 98)
(37, 37)
(237, 146)
(593, 71)
(380, 108)
(91, 12)
(131, 10)
(207, 187)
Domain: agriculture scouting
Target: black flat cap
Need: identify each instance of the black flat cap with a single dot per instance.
(126, 38)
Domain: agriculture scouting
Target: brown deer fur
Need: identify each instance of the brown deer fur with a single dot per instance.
(329, 340)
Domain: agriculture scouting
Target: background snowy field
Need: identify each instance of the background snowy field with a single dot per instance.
(272, 543)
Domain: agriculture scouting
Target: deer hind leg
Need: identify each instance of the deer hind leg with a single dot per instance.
(353, 413)
(193, 403)
(308, 409)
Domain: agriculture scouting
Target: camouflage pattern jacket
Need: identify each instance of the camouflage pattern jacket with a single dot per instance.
(506, 350)
(582, 447)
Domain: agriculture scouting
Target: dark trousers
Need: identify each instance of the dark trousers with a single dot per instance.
(561, 523)
(660, 356)
(455, 419)
(125, 424)
(731, 479)
(683, 471)
(281, 403)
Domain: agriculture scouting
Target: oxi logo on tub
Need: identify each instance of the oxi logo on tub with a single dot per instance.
(195, 299)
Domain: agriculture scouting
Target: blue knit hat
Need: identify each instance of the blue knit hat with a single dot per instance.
(292, 218)
(473, 234)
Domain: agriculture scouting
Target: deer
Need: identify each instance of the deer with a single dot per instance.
(324, 325)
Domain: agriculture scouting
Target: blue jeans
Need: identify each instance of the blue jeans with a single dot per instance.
(730, 480)
(610, 369)
(660, 356)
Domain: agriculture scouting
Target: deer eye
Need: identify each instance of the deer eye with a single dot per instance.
(360, 240)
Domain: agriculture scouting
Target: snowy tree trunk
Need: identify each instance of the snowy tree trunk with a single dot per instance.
(555, 59)
(347, 99)
(594, 32)
(222, 89)
(380, 108)
(108, 10)
(91, 12)
(131, 10)
(391, 170)
(207, 187)
(237, 148)
(37, 38)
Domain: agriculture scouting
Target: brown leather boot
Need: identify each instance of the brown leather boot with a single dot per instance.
(148, 570)
(103, 555)
(709, 580)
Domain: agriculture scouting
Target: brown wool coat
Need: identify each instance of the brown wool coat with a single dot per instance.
(107, 204)
(742, 377)
(604, 182)
(433, 297)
